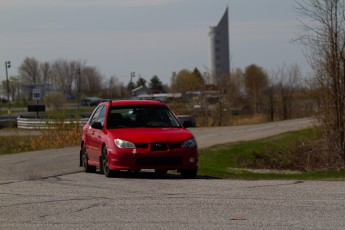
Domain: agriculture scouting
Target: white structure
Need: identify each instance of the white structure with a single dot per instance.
(219, 50)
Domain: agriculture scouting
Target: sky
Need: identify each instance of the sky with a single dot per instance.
(148, 37)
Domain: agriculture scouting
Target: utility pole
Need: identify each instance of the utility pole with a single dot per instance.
(8, 65)
(132, 75)
(78, 89)
(131, 83)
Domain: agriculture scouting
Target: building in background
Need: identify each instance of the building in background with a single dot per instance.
(219, 50)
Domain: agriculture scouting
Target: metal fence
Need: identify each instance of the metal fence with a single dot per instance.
(32, 123)
(46, 123)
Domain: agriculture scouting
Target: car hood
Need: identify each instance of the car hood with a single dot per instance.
(150, 135)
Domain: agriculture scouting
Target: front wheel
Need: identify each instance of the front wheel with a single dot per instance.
(84, 160)
(105, 164)
(189, 173)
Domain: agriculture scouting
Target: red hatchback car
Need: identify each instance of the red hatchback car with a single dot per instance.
(135, 134)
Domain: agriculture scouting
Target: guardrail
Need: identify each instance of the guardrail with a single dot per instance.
(33, 123)
(8, 122)
(45, 123)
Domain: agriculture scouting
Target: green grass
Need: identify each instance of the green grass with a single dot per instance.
(230, 161)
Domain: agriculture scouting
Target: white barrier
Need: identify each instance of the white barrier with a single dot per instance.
(32, 123)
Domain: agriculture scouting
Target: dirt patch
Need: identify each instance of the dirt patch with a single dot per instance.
(264, 171)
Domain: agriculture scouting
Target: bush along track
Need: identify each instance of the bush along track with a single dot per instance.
(292, 155)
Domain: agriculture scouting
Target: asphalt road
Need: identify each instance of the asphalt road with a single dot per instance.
(47, 190)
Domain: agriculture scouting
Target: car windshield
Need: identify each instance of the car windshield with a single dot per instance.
(141, 116)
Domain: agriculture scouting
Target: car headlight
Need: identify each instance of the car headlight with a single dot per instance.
(190, 143)
(124, 144)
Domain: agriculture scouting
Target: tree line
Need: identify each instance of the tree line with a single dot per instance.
(251, 91)
(280, 94)
(72, 78)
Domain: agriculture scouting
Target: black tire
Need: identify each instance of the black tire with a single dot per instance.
(189, 173)
(84, 159)
(105, 165)
(101, 171)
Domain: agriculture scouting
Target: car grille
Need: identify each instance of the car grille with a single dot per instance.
(143, 161)
(158, 146)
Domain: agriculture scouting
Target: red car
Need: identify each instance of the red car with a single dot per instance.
(136, 134)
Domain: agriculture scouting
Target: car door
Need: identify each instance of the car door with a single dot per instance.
(97, 134)
(92, 134)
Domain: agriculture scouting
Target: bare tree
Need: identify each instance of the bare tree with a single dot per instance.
(256, 81)
(64, 74)
(323, 34)
(228, 93)
(55, 101)
(91, 81)
(237, 91)
(270, 93)
(288, 84)
(45, 72)
(59, 74)
(14, 85)
(29, 71)
(286, 93)
(114, 88)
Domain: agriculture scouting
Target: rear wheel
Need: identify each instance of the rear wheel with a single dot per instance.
(189, 173)
(105, 164)
(87, 168)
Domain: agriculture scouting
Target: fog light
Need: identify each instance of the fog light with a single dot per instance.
(191, 160)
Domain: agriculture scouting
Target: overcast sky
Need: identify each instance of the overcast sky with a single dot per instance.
(149, 37)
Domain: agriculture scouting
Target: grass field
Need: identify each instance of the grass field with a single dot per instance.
(267, 158)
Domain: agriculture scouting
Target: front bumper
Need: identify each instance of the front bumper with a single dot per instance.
(135, 159)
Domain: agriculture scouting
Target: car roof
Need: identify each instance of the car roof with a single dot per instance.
(136, 102)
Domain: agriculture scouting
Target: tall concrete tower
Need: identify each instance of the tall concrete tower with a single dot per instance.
(219, 50)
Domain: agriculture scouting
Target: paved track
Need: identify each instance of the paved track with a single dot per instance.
(207, 137)
(46, 190)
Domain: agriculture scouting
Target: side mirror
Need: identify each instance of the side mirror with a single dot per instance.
(97, 125)
(187, 124)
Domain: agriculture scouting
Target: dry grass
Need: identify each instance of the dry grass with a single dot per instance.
(53, 138)
(248, 120)
(57, 138)
(315, 155)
